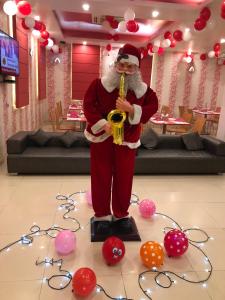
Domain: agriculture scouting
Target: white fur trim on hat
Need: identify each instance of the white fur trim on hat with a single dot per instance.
(137, 115)
(97, 127)
(131, 59)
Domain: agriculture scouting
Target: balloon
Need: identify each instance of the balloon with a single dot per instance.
(149, 46)
(203, 56)
(222, 14)
(173, 44)
(144, 52)
(43, 27)
(205, 13)
(113, 250)
(122, 27)
(152, 254)
(24, 25)
(55, 49)
(36, 34)
(217, 47)
(108, 47)
(175, 243)
(44, 44)
(187, 35)
(166, 43)
(137, 28)
(178, 35)
(147, 208)
(157, 43)
(109, 36)
(211, 54)
(168, 35)
(65, 242)
(10, 8)
(114, 24)
(24, 8)
(45, 35)
(129, 14)
(38, 25)
(116, 37)
(200, 24)
(50, 44)
(131, 26)
(217, 53)
(88, 193)
(29, 22)
(106, 25)
(83, 282)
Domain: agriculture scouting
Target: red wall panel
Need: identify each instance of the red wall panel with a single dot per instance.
(146, 69)
(22, 81)
(85, 68)
(41, 72)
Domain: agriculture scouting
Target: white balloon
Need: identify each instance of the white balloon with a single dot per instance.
(157, 43)
(36, 34)
(187, 35)
(129, 14)
(166, 43)
(50, 44)
(184, 59)
(211, 54)
(29, 22)
(122, 27)
(55, 48)
(188, 59)
(106, 25)
(10, 8)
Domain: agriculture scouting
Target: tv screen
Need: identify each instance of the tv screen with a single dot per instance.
(9, 55)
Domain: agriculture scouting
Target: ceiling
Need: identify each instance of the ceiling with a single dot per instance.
(67, 21)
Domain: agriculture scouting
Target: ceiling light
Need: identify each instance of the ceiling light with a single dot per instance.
(86, 6)
(222, 41)
(155, 13)
(84, 43)
(37, 18)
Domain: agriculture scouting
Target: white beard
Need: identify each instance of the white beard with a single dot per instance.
(133, 82)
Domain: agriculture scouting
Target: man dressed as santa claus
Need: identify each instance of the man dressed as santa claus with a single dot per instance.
(112, 165)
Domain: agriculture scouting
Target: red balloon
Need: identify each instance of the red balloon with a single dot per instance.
(217, 53)
(205, 13)
(178, 35)
(173, 44)
(45, 35)
(160, 51)
(149, 46)
(116, 37)
(44, 44)
(222, 14)
(17, 1)
(223, 7)
(114, 24)
(108, 47)
(224, 62)
(24, 8)
(38, 25)
(168, 35)
(109, 18)
(217, 47)
(137, 28)
(109, 36)
(131, 26)
(84, 282)
(145, 52)
(200, 24)
(43, 27)
(24, 25)
(113, 250)
(203, 56)
(175, 243)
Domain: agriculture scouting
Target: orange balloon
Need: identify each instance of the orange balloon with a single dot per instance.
(152, 254)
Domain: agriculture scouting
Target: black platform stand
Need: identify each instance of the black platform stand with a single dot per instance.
(133, 236)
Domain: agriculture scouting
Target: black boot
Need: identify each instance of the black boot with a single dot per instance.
(102, 227)
(123, 226)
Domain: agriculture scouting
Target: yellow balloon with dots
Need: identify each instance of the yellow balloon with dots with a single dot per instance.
(152, 254)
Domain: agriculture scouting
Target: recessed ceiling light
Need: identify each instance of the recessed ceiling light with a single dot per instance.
(37, 18)
(84, 43)
(86, 6)
(155, 13)
(222, 41)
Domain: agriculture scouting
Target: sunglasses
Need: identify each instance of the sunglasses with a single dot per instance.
(127, 68)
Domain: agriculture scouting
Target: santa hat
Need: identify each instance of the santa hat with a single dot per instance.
(129, 53)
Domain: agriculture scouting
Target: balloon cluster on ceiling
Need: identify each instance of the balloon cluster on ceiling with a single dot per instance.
(23, 10)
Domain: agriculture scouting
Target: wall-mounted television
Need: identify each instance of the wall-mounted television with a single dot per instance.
(9, 55)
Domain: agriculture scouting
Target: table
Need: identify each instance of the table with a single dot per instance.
(168, 121)
(75, 107)
(75, 116)
(206, 112)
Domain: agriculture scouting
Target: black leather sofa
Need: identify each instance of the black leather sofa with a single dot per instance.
(170, 156)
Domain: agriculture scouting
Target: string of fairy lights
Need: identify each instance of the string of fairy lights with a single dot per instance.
(65, 276)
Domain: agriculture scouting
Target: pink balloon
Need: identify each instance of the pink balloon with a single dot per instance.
(65, 242)
(147, 208)
(89, 198)
(175, 242)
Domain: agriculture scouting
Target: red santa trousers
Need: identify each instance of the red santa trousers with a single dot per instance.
(112, 169)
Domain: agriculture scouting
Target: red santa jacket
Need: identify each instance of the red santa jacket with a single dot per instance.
(100, 99)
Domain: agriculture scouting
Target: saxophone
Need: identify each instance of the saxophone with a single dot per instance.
(117, 117)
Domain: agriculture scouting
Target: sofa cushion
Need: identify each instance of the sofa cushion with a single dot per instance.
(68, 138)
(149, 139)
(40, 138)
(192, 141)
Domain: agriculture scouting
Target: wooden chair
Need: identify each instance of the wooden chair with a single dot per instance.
(165, 110)
(181, 110)
(60, 110)
(57, 124)
(187, 117)
(197, 126)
